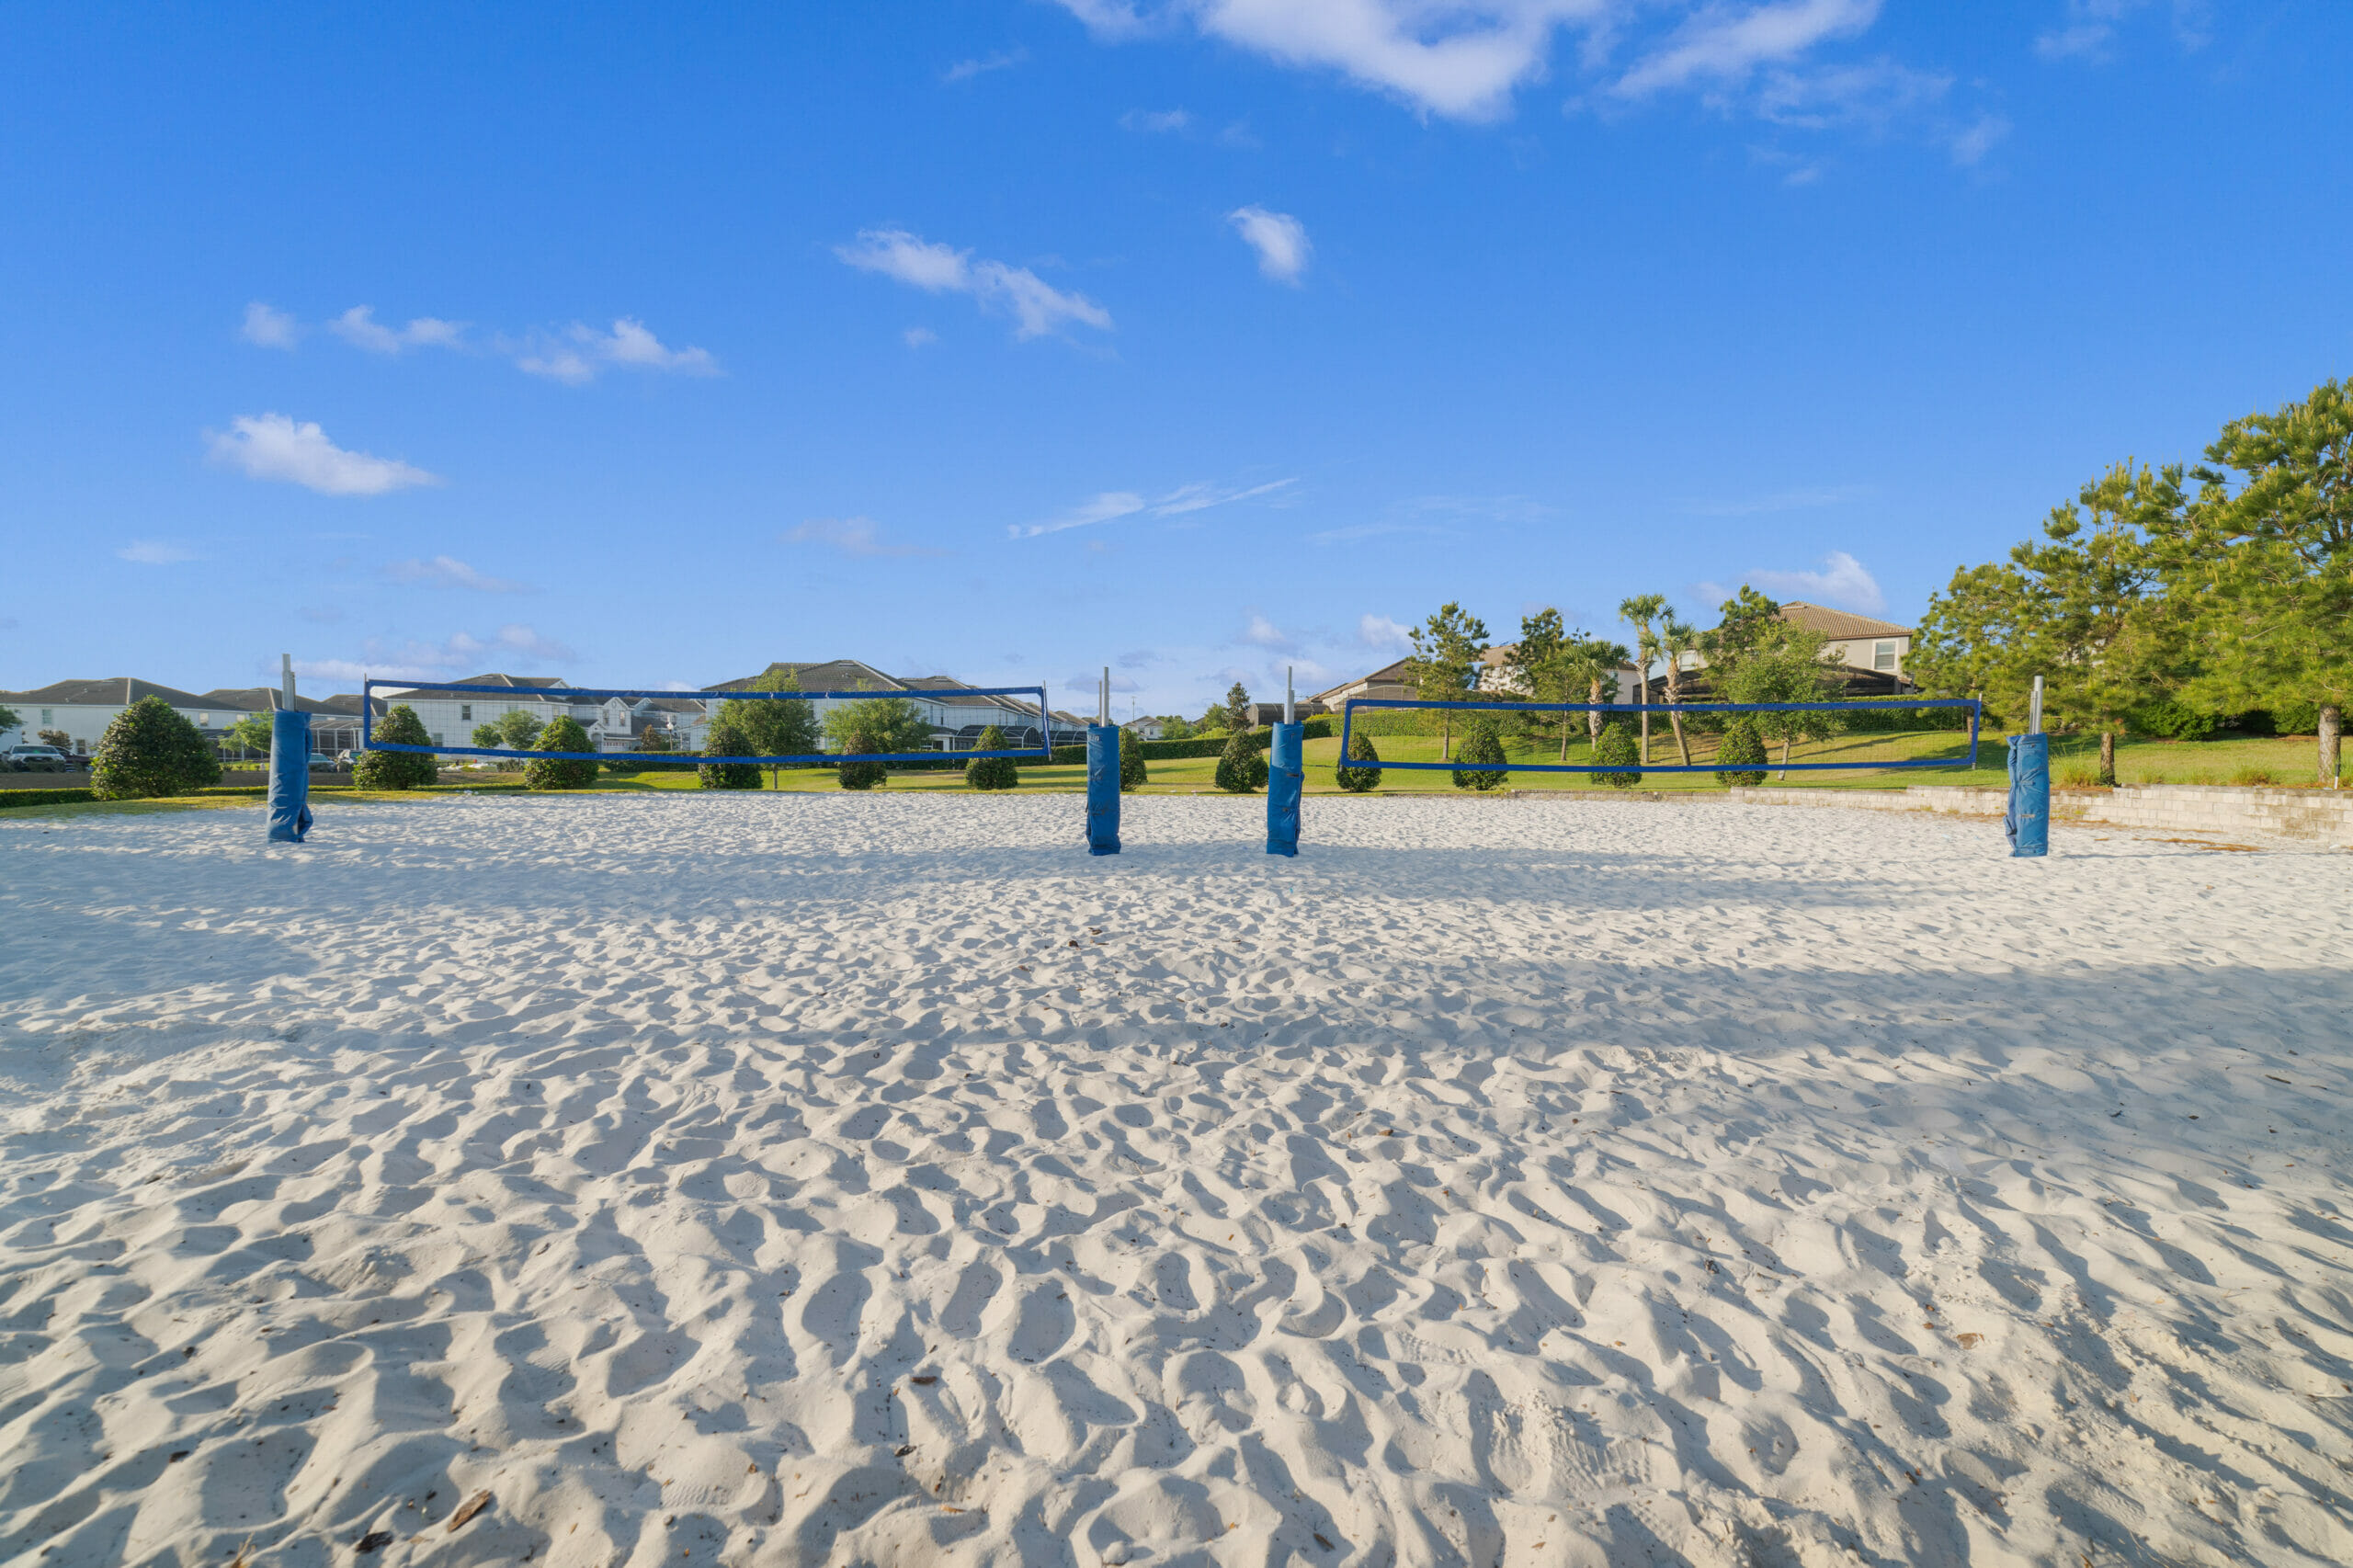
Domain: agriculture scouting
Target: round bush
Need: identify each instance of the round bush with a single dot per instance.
(1241, 766)
(398, 769)
(2175, 720)
(728, 737)
(1741, 745)
(1132, 768)
(862, 775)
(561, 773)
(1480, 745)
(148, 750)
(2295, 718)
(1616, 750)
(991, 772)
(1353, 776)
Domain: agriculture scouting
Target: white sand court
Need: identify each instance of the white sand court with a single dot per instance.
(817, 1178)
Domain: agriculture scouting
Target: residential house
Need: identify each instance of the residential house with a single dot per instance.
(1497, 678)
(83, 710)
(955, 713)
(1866, 654)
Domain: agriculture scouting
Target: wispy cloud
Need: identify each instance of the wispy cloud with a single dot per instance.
(1383, 635)
(269, 327)
(1280, 239)
(2091, 26)
(1156, 122)
(358, 327)
(965, 70)
(1264, 633)
(1970, 147)
(1843, 580)
(578, 353)
(449, 571)
(919, 337)
(274, 446)
(463, 654)
(852, 536)
(1112, 504)
(154, 552)
(1722, 44)
(1779, 501)
(1037, 307)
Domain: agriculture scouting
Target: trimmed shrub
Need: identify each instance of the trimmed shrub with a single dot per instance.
(2174, 721)
(862, 775)
(2283, 719)
(1480, 745)
(1241, 766)
(150, 750)
(1615, 749)
(991, 772)
(1741, 745)
(397, 769)
(1132, 768)
(562, 734)
(729, 735)
(1352, 775)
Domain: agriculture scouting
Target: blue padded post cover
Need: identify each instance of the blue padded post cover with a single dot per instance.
(1102, 788)
(2028, 821)
(290, 776)
(1286, 774)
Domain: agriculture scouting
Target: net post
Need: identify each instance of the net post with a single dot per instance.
(1102, 790)
(1286, 778)
(290, 763)
(2027, 823)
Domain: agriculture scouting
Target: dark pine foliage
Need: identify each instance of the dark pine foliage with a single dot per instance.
(1132, 768)
(1353, 774)
(150, 750)
(561, 773)
(398, 769)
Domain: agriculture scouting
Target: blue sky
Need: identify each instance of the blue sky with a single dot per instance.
(1011, 338)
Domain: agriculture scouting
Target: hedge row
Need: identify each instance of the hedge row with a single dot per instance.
(1199, 745)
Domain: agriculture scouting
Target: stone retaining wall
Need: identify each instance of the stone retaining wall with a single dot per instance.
(2314, 816)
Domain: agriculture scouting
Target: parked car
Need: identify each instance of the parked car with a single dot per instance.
(322, 763)
(38, 759)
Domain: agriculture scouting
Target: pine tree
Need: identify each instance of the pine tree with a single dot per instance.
(1241, 766)
(398, 769)
(729, 735)
(151, 749)
(1132, 768)
(991, 772)
(561, 733)
(1741, 745)
(1616, 750)
(1481, 744)
(1357, 779)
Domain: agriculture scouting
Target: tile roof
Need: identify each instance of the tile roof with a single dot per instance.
(114, 690)
(1838, 623)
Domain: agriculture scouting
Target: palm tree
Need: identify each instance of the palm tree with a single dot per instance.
(1639, 612)
(1674, 640)
(1594, 664)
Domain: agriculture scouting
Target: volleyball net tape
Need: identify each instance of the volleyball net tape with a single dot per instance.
(1687, 737)
(550, 702)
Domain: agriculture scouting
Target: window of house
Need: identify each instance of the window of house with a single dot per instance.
(1883, 656)
(49, 715)
(466, 712)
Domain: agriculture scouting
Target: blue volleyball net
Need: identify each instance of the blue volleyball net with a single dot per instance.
(1683, 737)
(618, 722)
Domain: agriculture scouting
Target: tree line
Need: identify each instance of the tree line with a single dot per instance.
(2170, 599)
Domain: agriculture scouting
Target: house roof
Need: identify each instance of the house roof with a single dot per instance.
(1838, 623)
(1389, 675)
(268, 699)
(115, 690)
(825, 675)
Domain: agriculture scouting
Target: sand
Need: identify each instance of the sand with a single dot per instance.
(873, 1180)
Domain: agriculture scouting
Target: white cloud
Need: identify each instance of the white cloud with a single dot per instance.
(1720, 44)
(463, 653)
(578, 353)
(1378, 631)
(1112, 504)
(1038, 306)
(269, 327)
(154, 552)
(1264, 633)
(1156, 122)
(1280, 239)
(965, 70)
(358, 327)
(448, 572)
(1970, 146)
(1842, 580)
(851, 536)
(919, 337)
(273, 446)
(2091, 26)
